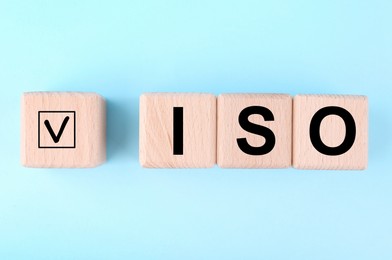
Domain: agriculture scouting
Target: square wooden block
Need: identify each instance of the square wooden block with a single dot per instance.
(254, 130)
(177, 130)
(63, 130)
(330, 132)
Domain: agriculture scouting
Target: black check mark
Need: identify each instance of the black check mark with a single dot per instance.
(56, 138)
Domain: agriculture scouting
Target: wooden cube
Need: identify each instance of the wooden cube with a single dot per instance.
(254, 130)
(63, 130)
(177, 130)
(330, 132)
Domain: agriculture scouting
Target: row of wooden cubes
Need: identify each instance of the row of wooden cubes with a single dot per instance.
(195, 130)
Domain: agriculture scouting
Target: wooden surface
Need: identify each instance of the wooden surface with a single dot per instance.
(156, 130)
(332, 132)
(229, 155)
(83, 140)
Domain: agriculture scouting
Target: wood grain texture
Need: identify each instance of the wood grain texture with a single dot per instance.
(229, 155)
(156, 130)
(332, 132)
(85, 130)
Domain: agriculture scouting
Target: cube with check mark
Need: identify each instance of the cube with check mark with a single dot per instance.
(63, 130)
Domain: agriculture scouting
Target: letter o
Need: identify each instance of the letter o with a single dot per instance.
(314, 130)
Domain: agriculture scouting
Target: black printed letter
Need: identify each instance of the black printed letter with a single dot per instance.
(178, 128)
(256, 129)
(314, 130)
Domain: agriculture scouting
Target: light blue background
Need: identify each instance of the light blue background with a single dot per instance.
(123, 48)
